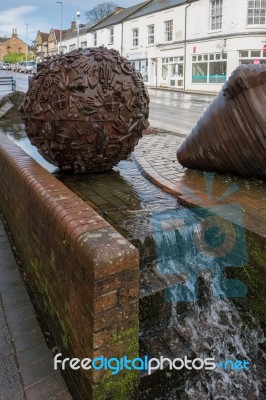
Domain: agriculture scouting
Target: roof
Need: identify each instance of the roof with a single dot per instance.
(157, 5)
(119, 16)
(57, 33)
(73, 33)
(44, 36)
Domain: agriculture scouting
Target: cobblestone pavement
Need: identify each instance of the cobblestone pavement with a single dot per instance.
(156, 158)
(26, 363)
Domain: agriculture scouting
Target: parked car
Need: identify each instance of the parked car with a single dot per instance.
(14, 67)
(5, 66)
(27, 67)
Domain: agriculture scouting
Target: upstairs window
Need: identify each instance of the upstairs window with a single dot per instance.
(135, 37)
(94, 38)
(256, 12)
(111, 35)
(150, 34)
(168, 25)
(216, 14)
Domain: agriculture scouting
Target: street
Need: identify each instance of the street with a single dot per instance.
(176, 111)
(169, 110)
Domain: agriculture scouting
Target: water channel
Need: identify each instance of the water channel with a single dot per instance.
(184, 307)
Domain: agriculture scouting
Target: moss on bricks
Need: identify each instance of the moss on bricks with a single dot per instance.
(122, 385)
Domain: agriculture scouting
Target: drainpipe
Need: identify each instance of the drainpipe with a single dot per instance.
(122, 38)
(185, 44)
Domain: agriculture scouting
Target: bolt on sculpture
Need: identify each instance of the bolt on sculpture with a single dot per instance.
(86, 110)
(230, 137)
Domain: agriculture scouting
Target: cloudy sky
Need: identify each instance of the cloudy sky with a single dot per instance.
(44, 14)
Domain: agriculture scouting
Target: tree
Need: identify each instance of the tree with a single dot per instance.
(99, 12)
(13, 57)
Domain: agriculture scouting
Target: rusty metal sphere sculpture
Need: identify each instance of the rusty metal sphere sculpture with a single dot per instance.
(230, 137)
(86, 110)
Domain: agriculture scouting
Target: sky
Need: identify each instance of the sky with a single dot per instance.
(45, 14)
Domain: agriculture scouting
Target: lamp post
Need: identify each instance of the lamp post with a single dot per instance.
(78, 16)
(60, 47)
(26, 41)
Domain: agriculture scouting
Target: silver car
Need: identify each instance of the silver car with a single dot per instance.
(27, 67)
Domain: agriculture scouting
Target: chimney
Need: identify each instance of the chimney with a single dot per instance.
(14, 32)
(73, 25)
(118, 9)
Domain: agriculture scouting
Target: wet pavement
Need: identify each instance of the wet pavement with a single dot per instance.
(26, 363)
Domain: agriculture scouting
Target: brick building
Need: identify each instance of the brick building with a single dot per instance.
(47, 44)
(12, 45)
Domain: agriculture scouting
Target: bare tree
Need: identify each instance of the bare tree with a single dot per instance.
(99, 12)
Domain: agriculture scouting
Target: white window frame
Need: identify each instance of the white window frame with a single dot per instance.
(135, 37)
(94, 39)
(209, 59)
(84, 44)
(216, 15)
(256, 12)
(150, 32)
(168, 30)
(111, 35)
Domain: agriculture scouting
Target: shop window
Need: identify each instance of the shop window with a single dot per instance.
(209, 68)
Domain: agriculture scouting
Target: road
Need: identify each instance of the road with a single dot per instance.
(176, 111)
(169, 110)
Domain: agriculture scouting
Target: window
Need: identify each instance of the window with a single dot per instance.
(252, 57)
(168, 25)
(150, 34)
(72, 47)
(209, 68)
(135, 37)
(256, 12)
(94, 39)
(83, 45)
(111, 35)
(142, 67)
(172, 70)
(216, 14)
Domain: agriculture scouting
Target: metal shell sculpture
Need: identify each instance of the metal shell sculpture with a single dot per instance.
(230, 137)
(86, 110)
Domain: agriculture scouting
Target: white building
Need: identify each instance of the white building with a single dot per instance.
(195, 45)
(190, 45)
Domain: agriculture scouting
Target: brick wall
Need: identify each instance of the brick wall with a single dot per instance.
(85, 273)
(12, 45)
